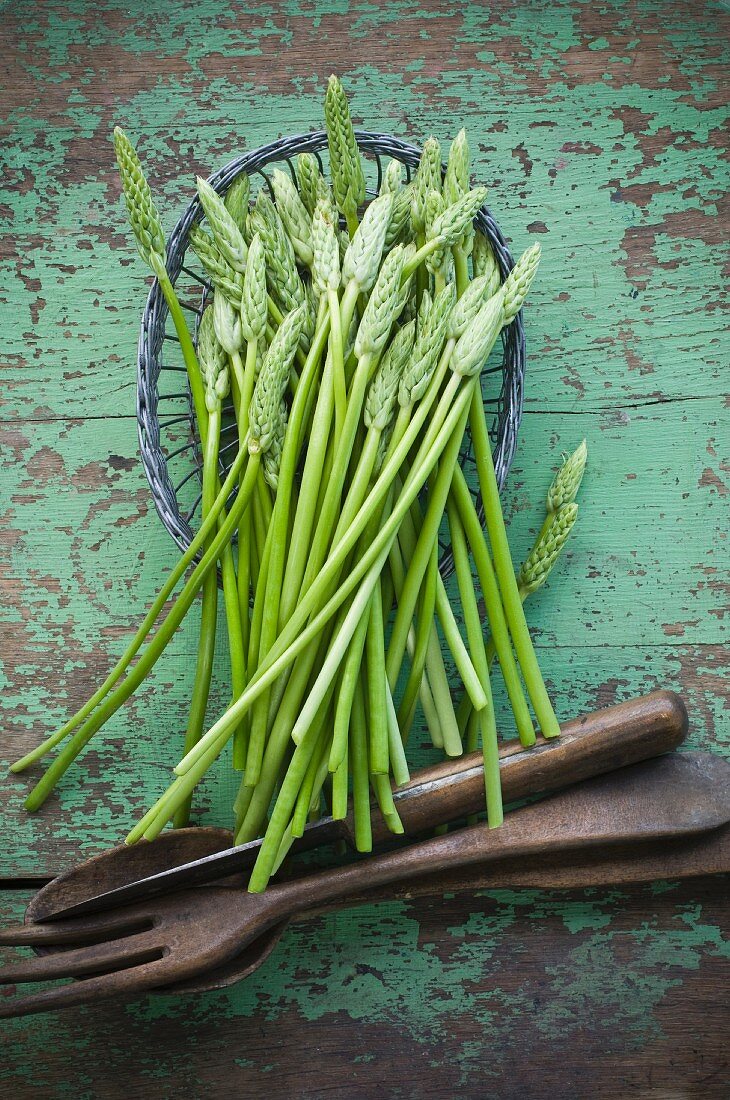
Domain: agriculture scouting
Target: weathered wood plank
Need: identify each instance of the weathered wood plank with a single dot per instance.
(427, 997)
(644, 564)
(598, 130)
(637, 603)
(623, 190)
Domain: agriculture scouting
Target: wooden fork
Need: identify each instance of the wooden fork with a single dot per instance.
(179, 936)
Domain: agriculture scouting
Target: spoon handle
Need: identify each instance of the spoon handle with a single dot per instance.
(674, 796)
(614, 737)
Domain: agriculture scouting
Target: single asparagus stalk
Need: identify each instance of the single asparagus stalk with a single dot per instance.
(360, 772)
(294, 214)
(147, 228)
(223, 336)
(226, 233)
(253, 326)
(311, 789)
(375, 666)
(325, 280)
(312, 184)
(561, 514)
(339, 788)
(396, 747)
(567, 481)
(338, 364)
(253, 314)
(547, 549)
(486, 717)
(384, 795)
(427, 178)
(215, 375)
(285, 284)
(236, 200)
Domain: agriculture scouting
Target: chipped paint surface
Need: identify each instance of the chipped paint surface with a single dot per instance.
(499, 994)
(599, 130)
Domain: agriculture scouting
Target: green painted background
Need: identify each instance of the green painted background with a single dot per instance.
(599, 131)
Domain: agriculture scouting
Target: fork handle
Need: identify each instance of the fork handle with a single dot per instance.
(614, 737)
(676, 796)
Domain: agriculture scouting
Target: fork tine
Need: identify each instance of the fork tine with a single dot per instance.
(119, 984)
(112, 955)
(78, 930)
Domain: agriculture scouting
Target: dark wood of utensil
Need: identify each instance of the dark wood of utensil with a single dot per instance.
(616, 736)
(182, 935)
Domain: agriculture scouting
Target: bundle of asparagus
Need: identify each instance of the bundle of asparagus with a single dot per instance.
(352, 359)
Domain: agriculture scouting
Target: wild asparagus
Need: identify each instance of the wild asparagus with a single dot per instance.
(390, 332)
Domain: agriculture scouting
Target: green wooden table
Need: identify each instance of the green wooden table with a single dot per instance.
(598, 128)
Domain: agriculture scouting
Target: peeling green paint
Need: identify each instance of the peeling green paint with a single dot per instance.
(599, 131)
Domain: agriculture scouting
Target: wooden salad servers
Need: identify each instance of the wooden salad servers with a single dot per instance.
(596, 743)
(174, 939)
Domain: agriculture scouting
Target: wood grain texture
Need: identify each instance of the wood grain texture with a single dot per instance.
(599, 129)
(509, 993)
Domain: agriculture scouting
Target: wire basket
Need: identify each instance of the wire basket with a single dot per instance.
(168, 438)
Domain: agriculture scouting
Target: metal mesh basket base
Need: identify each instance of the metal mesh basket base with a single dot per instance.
(168, 440)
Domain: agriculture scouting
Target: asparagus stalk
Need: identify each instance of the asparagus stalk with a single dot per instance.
(486, 718)
(215, 376)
